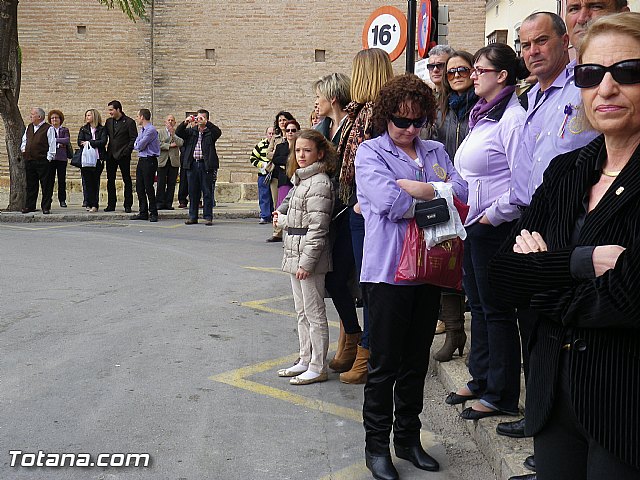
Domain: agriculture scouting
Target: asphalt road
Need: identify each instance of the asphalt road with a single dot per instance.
(164, 339)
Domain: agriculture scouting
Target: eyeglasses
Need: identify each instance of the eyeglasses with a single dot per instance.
(401, 122)
(463, 72)
(291, 130)
(432, 66)
(480, 71)
(626, 72)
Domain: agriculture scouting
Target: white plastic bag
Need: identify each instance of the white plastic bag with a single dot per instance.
(448, 230)
(89, 156)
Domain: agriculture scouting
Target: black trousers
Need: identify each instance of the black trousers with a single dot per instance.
(337, 281)
(124, 164)
(183, 187)
(402, 322)
(145, 175)
(38, 172)
(563, 448)
(91, 180)
(59, 168)
(166, 187)
(526, 321)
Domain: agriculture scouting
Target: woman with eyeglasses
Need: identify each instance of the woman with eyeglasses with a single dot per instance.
(278, 138)
(393, 172)
(485, 160)
(575, 255)
(454, 106)
(280, 156)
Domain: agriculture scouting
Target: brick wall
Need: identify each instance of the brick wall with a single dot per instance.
(264, 60)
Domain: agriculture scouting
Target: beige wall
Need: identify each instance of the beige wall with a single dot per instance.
(264, 60)
(508, 14)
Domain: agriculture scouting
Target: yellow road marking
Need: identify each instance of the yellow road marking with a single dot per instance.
(267, 269)
(261, 306)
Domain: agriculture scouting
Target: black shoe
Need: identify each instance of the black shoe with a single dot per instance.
(108, 209)
(209, 223)
(127, 209)
(191, 221)
(139, 216)
(153, 218)
(454, 399)
(416, 455)
(511, 429)
(28, 210)
(274, 239)
(530, 463)
(381, 467)
(528, 476)
(471, 414)
(63, 204)
(46, 212)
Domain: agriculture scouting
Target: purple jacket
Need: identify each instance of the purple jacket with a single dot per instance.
(62, 140)
(379, 164)
(485, 160)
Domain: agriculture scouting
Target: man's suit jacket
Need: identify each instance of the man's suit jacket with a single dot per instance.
(167, 152)
(122, 135)
(601, 315)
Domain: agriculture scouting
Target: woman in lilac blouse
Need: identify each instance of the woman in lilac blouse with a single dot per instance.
(392, 174)
(59, 164)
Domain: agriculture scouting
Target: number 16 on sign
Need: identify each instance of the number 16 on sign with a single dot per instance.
(386, 29)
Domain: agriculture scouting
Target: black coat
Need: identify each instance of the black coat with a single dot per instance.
(280, 157)
(100, 142)
(602, 315)
(209, 137)
(122, 137)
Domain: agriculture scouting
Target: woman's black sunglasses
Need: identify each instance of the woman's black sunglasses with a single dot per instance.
(626, 72)
(401, 122)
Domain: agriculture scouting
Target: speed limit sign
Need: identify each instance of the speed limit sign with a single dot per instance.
(386, 29)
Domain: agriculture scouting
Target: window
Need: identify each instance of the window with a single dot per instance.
(82, 29)
(210, 53)
(320, 56)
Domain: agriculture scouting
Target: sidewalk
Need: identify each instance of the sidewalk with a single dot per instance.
(76, 213)
(505, 455)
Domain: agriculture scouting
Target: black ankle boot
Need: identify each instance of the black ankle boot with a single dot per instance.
(416, 455)
(381, 467)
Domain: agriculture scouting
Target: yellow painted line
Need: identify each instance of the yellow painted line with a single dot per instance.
(267, 269)
(260, 305)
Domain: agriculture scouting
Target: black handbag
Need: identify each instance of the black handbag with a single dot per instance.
(69, 151)
(433, 212)
(76, 159)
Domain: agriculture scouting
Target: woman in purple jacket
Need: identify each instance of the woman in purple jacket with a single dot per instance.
(59, 164)
(485, 160)
(393, 172)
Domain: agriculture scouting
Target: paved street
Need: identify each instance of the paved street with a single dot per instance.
(119, 337)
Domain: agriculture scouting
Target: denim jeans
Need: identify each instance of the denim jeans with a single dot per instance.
(200, 182)
(356, 225)
(494, 358)
(264, 198)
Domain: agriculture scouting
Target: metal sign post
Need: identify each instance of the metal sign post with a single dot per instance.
(410, 51)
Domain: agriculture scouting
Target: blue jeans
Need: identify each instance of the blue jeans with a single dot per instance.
(200, 182)
(494, 358)
(264, 198)
(356, 224)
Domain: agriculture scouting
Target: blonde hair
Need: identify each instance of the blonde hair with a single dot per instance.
(97, 118)
(371, 69)
(329, 160)
(335, 85)
(625, 23)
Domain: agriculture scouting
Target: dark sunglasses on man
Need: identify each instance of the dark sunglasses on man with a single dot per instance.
(626, 72)
(432, 66)
(464, 72)
(402, 122)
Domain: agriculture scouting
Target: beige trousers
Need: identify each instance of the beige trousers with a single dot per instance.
(313, 329)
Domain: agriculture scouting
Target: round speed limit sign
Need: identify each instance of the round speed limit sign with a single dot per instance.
(386, 29)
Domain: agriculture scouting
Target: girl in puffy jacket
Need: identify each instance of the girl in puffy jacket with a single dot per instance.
(307, 252)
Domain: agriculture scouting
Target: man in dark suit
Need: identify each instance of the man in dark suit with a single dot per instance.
(38, 150)
(201, 162)
(122, 133)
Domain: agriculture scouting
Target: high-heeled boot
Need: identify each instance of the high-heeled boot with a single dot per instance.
(340, 348)
(453, 318)
(358, 373)
(344, 362)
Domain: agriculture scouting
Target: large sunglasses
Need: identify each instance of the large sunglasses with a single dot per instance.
(291, 130)
(431, 66)
(626, 72)
(464, 72)
(402, 122)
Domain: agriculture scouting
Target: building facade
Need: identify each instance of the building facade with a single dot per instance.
(242, 60)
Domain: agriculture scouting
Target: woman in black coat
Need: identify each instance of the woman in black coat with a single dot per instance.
(95, 134)
(575, 257)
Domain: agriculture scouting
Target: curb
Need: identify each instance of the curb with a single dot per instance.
(505, 455)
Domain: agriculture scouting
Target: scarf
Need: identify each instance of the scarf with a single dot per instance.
(483, 107)
(460, 104)
(357, 128)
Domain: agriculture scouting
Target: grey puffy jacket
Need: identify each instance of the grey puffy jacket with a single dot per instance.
(309, 207)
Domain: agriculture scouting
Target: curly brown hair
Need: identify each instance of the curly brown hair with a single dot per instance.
(399, 93)
(330, 159)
